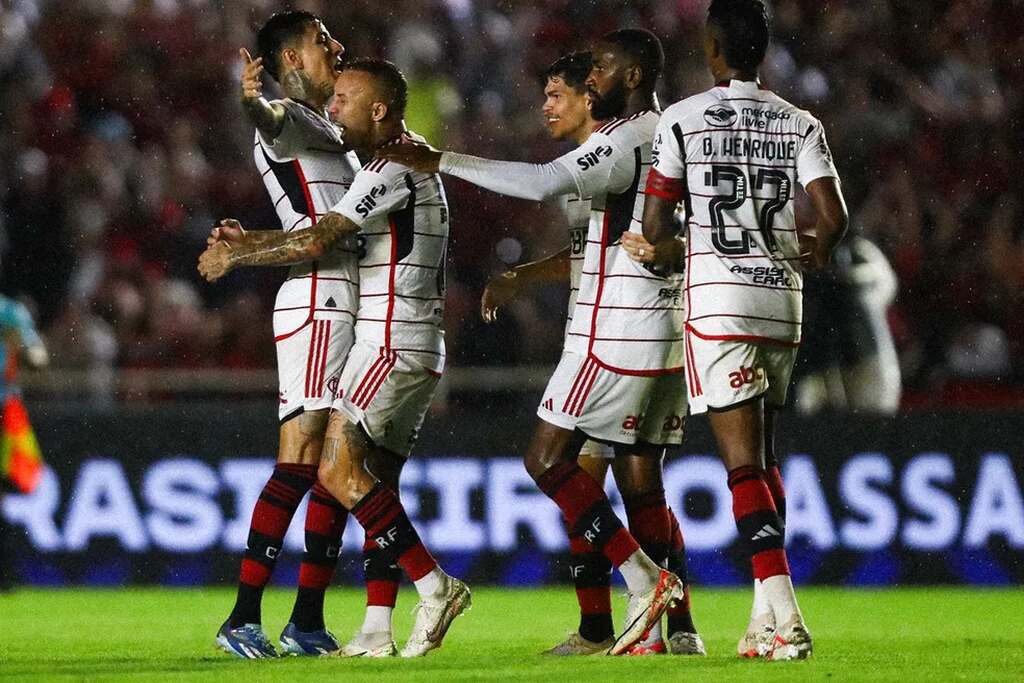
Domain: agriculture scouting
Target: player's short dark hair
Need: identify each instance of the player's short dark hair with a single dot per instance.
(644, 48)
(573, 68)
(393, 84)
(743, 29)
(281, 29)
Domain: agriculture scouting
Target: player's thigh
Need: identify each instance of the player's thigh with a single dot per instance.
(388, 394)
(309, 365)
(639, 471)
(740, 433)
(385, 466)
(593, 460)
(664, 418)
(302, 437)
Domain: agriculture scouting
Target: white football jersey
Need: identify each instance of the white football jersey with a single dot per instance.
(307, 170)
(738, 151)
(627, 319)
(403, 242)
(577, 217)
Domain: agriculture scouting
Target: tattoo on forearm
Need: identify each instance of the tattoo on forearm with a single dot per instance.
(284, 249)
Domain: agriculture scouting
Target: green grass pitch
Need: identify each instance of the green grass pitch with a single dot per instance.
(167, 634)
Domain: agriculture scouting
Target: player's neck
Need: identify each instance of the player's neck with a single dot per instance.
(580, 135)
(298, 86)
(638, 101)
(724, 74)
(384, 133)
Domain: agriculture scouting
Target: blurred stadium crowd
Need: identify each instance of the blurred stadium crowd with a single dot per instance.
(122, 142)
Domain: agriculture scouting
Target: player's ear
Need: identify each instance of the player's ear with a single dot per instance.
(379, 111)
(291, 57)
(634, 75)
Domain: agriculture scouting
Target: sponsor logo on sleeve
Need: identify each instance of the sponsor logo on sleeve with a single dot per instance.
(591, 159)
(369, 200)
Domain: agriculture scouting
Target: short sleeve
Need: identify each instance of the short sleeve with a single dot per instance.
(377, 190)
(598, 166)
(666, 154)
(815, 158)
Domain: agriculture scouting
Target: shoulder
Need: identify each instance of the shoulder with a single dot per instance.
(626, 131)
(700, 111)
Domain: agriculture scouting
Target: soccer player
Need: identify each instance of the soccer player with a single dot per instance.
(566, 112)
(307, 169)
(732, 155)
(619, 379)
(396, 361)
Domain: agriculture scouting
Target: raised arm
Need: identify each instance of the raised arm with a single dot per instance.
(274, 248)
(830, 225)
(266, 117)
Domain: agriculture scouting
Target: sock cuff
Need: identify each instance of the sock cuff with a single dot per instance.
(745, 473)
(641, 501)
(555, 477)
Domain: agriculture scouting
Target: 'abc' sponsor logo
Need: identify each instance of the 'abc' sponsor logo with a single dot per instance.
(745, 376)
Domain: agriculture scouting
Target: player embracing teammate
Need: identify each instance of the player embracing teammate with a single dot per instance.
(732, 156)
(622, 357)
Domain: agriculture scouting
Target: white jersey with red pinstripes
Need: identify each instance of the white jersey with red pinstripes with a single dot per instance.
(738, 151)
(577, 216)
(626, 319)
(307, 170)
(403, 242)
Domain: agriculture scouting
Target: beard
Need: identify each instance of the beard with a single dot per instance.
(610, 105)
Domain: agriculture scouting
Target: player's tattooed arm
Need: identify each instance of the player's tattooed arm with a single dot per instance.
(274, 248)
(266, 117)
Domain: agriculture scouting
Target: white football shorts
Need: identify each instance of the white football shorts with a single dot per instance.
(309, 363)
(614, 407)
(724, 373)
(388, 393)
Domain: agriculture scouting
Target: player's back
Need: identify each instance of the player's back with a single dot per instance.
(626, 318)
(402, 245)
(741, 150)
(307, 170)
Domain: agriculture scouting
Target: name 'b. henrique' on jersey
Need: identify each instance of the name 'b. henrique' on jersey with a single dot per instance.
(398, 355)
(307, 169)
(626, 319)
(734, 154)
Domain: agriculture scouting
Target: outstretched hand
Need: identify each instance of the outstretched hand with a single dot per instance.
(252, 84)
(228, 230)
(417, 156)
(499, 291)
(216, 261)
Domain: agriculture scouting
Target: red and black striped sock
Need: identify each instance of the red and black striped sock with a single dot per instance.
(382, 577)
(587, 511)
(592, 577)
(773, 477)
(325, 524)
(647, 515)
(384, 520)
(679, 615)
(759, 526)
(270, 519)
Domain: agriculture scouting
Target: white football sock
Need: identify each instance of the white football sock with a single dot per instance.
(640, 572)
(780, 595)
(429, 585)
(761, 606)
(377, 620)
